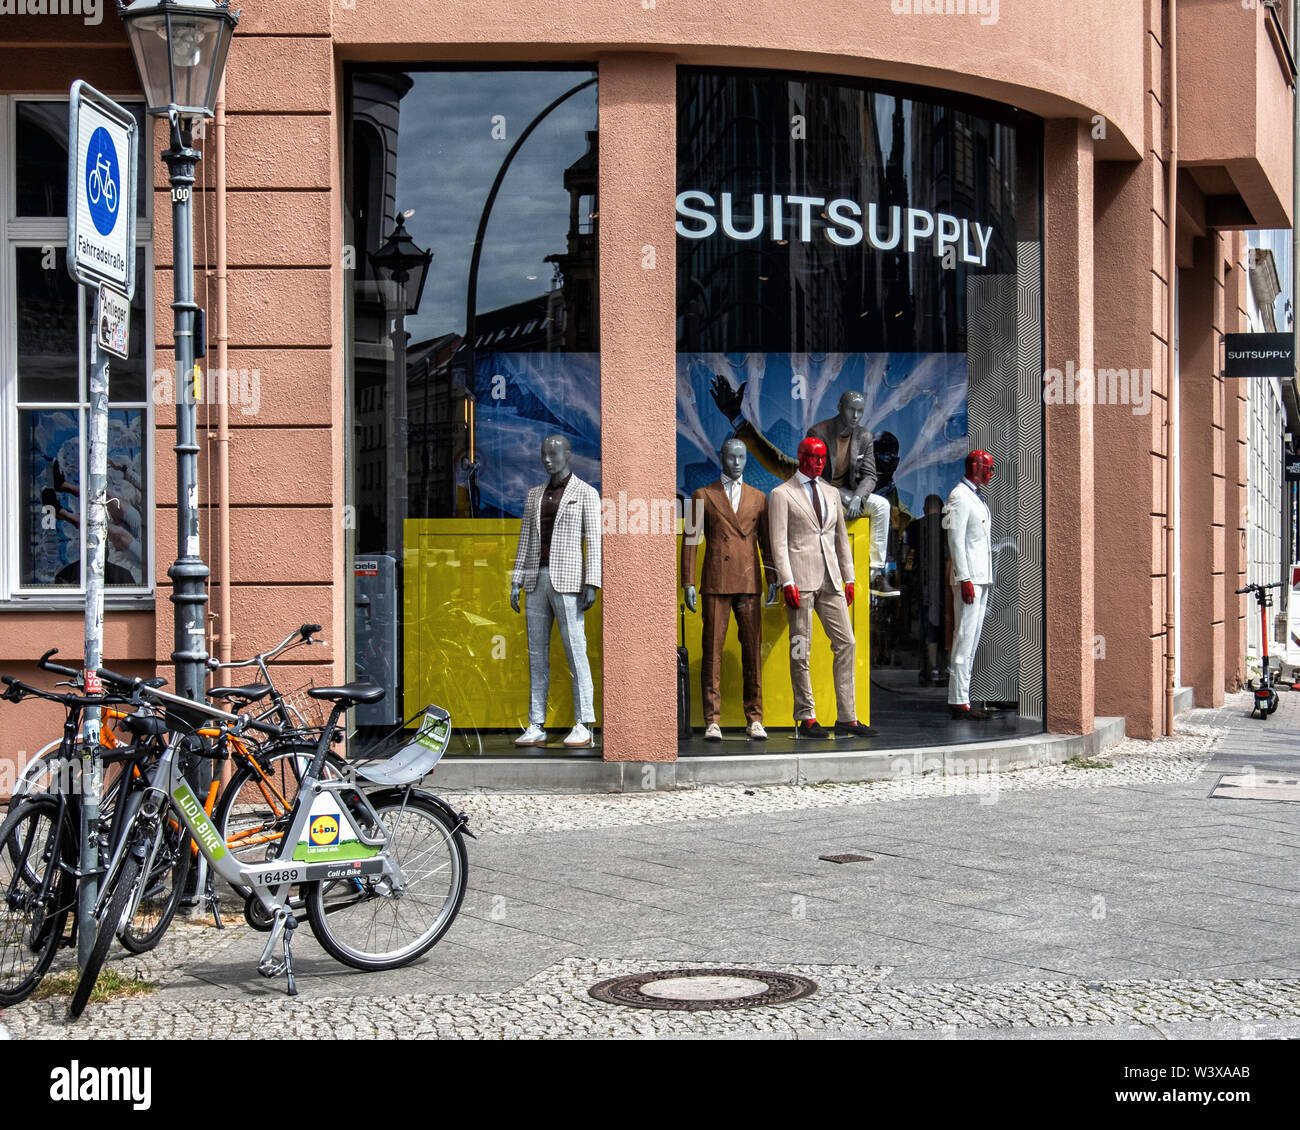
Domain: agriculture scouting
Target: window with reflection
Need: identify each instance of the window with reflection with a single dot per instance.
(835, 238)
(472, 202)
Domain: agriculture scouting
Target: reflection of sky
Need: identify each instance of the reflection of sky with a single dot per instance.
(447, 160)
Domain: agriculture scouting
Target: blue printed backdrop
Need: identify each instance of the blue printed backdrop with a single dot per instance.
(920, 398)
(537, 395)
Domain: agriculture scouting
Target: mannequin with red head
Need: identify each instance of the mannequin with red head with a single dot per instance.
(968, 520)
(979, 467)
(812, 456)
(814, 566)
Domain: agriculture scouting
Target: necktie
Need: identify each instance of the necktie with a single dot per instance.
(733, 495)
(817, 503)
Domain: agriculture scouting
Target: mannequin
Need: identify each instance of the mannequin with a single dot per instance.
(561, 584)
(734, 517)
(810, 548)
(967, 519)
(850, 464)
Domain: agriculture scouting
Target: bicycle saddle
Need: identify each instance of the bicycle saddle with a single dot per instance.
(351, 693)
(254, 692)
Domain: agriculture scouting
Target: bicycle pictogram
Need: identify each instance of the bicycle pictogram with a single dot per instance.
(103, 181)
(100, 183)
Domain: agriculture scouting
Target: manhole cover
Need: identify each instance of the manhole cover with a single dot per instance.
(691, 990)
(846, 858)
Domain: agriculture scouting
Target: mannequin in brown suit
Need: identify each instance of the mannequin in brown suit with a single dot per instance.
(733, 519)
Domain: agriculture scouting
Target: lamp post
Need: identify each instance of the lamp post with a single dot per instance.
(400, 256)
(180, 51)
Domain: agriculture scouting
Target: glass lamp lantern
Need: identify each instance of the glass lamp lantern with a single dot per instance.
(180, 51)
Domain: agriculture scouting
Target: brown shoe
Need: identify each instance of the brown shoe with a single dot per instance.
(969, 713)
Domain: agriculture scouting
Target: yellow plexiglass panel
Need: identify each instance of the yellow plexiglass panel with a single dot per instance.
(467, 651)
(778, 697)
(464, 648)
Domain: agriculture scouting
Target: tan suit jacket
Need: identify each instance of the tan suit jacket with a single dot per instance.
(731, 541)
(804, 554)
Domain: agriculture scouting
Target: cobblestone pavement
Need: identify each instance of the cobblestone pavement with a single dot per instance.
(1058, 902)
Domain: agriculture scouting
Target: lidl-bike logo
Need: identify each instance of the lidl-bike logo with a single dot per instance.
(324, 831)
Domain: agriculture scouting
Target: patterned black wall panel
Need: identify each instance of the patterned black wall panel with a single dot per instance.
(1005, 408)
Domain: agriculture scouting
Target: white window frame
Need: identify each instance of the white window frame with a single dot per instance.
(46, 231)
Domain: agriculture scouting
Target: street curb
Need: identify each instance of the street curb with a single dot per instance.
(587, 775)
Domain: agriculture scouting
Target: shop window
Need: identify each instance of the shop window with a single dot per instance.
(44, 335)
(457, 383)
(876, 258)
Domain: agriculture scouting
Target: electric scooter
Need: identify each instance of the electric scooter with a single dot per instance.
(1265, 696)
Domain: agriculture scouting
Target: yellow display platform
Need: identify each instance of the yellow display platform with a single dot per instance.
(467, 651)
(778, 697)
(464, 648)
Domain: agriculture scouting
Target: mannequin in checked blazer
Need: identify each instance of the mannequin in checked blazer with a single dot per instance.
(561, 519)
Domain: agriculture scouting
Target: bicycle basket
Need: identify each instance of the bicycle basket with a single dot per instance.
(402, 758)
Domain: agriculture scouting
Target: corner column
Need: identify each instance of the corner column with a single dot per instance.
(1068, 200)
(638, 388)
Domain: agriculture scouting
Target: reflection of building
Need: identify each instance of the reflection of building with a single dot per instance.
(579, 329)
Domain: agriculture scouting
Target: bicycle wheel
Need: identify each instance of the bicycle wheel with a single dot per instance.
(364, 922)
(119, 904)
(253, 812)
(32, 912)
(164, 888)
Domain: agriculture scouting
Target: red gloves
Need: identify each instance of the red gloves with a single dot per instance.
(848, 592)
(967, 592)
(791, 596)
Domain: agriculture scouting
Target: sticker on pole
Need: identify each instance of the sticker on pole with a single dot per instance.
(113, 333)
(101, 190)
(93, 683)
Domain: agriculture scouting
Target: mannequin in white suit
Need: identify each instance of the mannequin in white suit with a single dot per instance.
(967, 519)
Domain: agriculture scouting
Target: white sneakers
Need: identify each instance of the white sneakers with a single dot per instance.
(713, 732)
(578, 737)
(756, 732)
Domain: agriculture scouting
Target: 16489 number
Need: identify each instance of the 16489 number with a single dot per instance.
(273, 878)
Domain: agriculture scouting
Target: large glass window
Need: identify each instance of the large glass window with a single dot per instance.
(463, 361)
(44, 338)
(844, 239)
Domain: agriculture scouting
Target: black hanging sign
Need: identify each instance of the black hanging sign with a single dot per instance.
(1259, 355)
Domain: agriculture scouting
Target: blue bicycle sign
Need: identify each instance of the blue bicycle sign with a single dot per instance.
(103, 181)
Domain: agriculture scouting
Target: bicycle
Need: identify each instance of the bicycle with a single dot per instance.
(360, 858)
(100, 182)
(1266, 700)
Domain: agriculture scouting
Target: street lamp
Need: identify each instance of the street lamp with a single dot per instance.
(400, 256)
(180, 51)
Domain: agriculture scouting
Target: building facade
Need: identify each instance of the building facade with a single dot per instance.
(654, 227)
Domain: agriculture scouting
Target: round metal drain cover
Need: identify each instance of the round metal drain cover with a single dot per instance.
(692, 990)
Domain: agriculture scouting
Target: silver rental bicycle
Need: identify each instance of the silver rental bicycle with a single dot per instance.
(380, 865)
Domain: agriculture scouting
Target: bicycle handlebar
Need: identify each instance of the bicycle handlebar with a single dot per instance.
(299, 635)
(1260, 588)
(45, 665)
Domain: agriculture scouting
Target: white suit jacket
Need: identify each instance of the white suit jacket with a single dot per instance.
(967, 519)
(577, 520)
(804, 553)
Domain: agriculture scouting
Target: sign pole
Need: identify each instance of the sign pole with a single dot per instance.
(103, 149)
(96, 536)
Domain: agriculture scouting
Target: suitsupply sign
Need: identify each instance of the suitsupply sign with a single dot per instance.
(840, 221)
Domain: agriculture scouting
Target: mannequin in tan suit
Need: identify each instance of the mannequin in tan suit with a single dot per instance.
(733, 519)
(810, 548)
